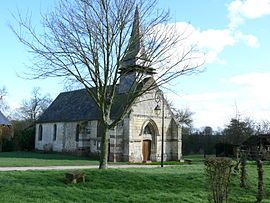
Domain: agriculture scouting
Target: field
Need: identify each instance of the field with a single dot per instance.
(184, 183)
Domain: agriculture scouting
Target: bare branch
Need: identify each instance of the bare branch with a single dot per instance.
(91, 41)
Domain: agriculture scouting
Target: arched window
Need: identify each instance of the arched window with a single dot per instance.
(40, 131)
(77, 132)
(99, 129)
(148, 129)
(54, 132)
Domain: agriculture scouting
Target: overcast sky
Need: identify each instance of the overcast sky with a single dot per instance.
(234, 35)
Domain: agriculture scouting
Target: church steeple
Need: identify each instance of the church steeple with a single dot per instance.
(135, 60)
(135, 53)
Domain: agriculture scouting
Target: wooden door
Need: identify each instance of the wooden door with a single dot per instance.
(146, 150)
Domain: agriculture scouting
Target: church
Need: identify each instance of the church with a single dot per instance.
(71, 123)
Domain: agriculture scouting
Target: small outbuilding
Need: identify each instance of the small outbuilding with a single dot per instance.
(257, 144)
(226, 150)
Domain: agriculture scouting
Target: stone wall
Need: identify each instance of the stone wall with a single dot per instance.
(47, 136)
(116, 144)
(125, 141)
(143, 113)
(69, 138)
(66, 136)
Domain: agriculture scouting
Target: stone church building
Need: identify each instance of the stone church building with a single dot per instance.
(71, 122)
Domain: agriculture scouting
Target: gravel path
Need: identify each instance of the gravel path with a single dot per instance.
(72, 167)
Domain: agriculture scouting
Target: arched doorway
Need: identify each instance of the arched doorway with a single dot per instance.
(146, 150)
(149, 133)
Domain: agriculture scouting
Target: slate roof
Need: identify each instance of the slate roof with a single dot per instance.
(76, 106)
(71, 106)
(4, 120)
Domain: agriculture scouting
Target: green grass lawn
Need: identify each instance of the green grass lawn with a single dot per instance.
(57, 159)
(40, 159)
(183, 183)
(169, 184)
(196, 158)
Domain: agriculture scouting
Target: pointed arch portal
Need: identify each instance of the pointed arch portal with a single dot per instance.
(149, 140)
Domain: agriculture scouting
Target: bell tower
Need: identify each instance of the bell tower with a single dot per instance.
(134, 65)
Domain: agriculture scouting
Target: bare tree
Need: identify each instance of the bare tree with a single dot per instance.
(31, 109)
(184, 116)
(262, 127)
(238, 131)
(3, 93)
(101, 43)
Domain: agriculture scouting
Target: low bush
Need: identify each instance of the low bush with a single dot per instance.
(218, 172)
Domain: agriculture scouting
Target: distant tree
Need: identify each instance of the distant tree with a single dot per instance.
(3, 92)
(238, 131)
(99, 42)
(199, 141)
(262, 127)
(3, 104)
(184, 116)
(24, 119)
(191, 143)
(32, 108)
(24, 135)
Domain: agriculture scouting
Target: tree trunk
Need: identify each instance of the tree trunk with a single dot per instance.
(103, 163)
(243, 171)
(260, 192)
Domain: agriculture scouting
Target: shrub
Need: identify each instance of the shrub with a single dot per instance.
(27, 139)
(24, 135)
(47, 148)
(218, 172)
(7, 145)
